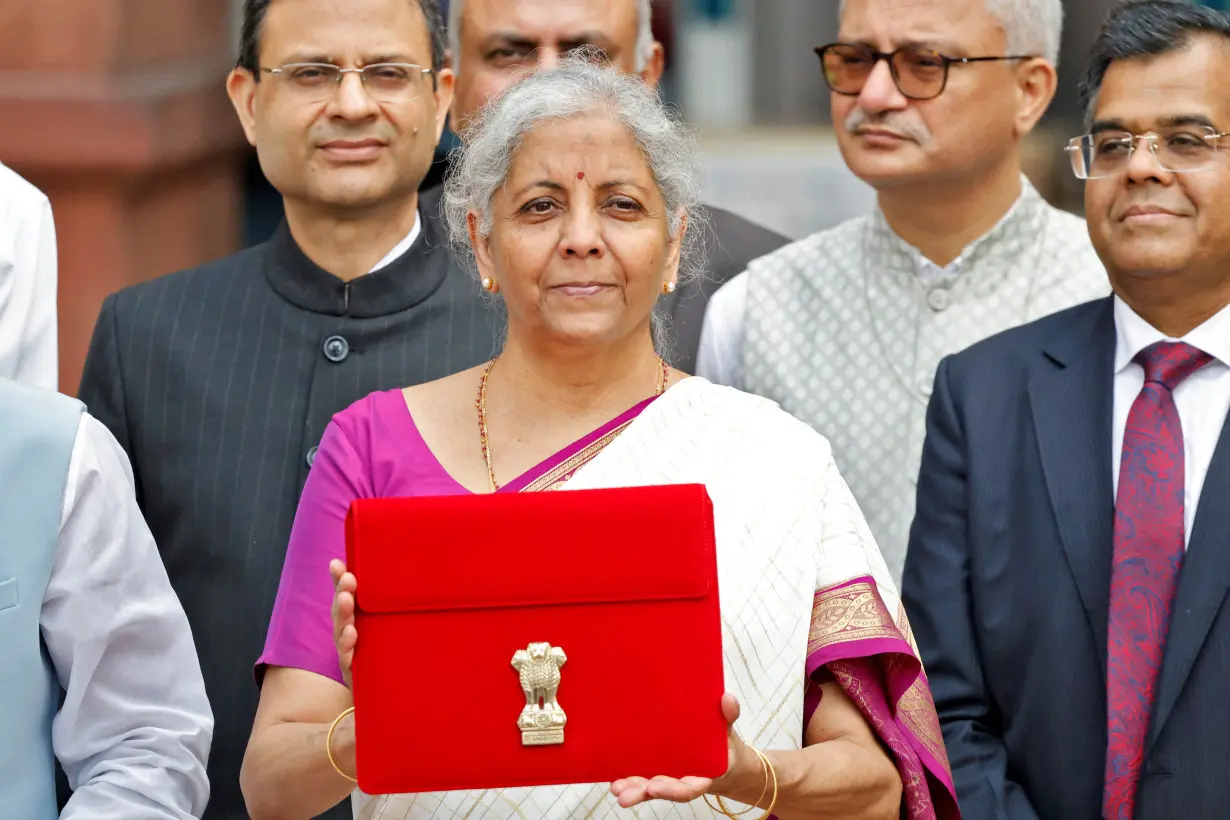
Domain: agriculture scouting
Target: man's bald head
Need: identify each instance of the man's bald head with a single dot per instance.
(494, 42)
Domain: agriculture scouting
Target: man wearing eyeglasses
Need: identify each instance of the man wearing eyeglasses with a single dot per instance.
(1069, 566)
(931, 100)
(220, 380)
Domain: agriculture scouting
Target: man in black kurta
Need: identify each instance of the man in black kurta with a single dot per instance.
(219, 381)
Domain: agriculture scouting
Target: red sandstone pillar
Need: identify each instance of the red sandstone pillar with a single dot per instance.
(116, 109)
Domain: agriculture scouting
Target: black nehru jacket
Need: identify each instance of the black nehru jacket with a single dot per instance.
(218, 381)
(730, 243)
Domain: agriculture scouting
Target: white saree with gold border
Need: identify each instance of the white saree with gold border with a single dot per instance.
(799, 577)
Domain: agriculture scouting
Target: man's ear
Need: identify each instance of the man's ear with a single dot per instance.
(241, 87)
(1037, 81)
(654, 65)
(446, 83)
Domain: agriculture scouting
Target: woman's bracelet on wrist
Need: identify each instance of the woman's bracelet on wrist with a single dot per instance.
(329, 744)
(770, 775)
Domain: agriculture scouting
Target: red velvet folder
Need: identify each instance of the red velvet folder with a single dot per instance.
(601, 605)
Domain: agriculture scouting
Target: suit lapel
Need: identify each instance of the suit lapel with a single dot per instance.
(1203, 584)
(1072, 399)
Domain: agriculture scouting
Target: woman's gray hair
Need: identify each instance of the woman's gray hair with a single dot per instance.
(577, 87)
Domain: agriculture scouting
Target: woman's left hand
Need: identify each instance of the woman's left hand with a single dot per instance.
(633, 790)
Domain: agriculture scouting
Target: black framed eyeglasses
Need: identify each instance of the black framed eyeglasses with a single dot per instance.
(919, 73)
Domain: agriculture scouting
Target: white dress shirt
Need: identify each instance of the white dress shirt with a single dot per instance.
(134, 731)
(1203, 399)
(402, 246)
(720, 357)
(28, 326)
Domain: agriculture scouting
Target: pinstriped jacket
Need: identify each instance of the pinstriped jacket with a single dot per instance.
(218, 381)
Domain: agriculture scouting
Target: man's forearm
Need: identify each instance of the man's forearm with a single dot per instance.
(287, 775)
(836, 780)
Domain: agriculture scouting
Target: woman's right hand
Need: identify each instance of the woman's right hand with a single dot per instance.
(344, 632)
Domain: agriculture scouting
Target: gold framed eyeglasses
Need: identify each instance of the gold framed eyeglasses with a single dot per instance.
(385, 82)
(919, 73)
(1180, 149)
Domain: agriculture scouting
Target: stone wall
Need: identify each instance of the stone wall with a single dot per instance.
(116, 109)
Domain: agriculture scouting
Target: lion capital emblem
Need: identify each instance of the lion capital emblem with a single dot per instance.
(542, 720)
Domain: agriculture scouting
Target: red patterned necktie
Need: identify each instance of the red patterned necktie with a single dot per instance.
(1148, 552)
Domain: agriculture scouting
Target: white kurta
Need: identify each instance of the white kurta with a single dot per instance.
(28, 284)
(786, 525)
(845, 330)
(134, 731)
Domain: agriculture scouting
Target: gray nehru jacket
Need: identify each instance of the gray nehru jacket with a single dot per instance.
(845, 330)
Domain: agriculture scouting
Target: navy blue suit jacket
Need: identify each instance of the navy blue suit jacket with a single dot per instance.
(1007, 586)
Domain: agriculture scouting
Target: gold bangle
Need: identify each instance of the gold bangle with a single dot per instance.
(769, 811)
(722, 802)
(721, 806)
(766, 769)
(329, 745)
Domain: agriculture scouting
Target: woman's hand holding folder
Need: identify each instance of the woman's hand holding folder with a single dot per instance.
(344, 633)
(748, 772)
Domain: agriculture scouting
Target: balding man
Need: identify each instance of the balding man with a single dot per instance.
(493, 42)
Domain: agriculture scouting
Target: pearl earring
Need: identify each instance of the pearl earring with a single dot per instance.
(488, 285)
(669, 287)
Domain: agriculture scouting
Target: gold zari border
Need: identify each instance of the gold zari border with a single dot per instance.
(852, 613)
(856, 612)
(559, 474)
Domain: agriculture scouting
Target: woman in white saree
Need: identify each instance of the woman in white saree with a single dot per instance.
(575, 193)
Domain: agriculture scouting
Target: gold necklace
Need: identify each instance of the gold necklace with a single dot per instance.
(481, 404)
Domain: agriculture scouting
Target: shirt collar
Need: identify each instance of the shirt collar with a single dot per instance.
(1133, 334)
(893, 263)
(929, 270)
(402, 246)
(926, 266)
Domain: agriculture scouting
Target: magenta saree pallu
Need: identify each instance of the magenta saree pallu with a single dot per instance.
(855, 642)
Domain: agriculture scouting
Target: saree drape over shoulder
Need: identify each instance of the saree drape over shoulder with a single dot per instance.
(806, 597)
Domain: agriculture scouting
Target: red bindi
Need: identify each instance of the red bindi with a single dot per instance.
(580, 175)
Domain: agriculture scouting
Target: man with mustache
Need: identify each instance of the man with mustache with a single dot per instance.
(1068, 568)
(844, 329)
(494, 42)
(220, 380)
